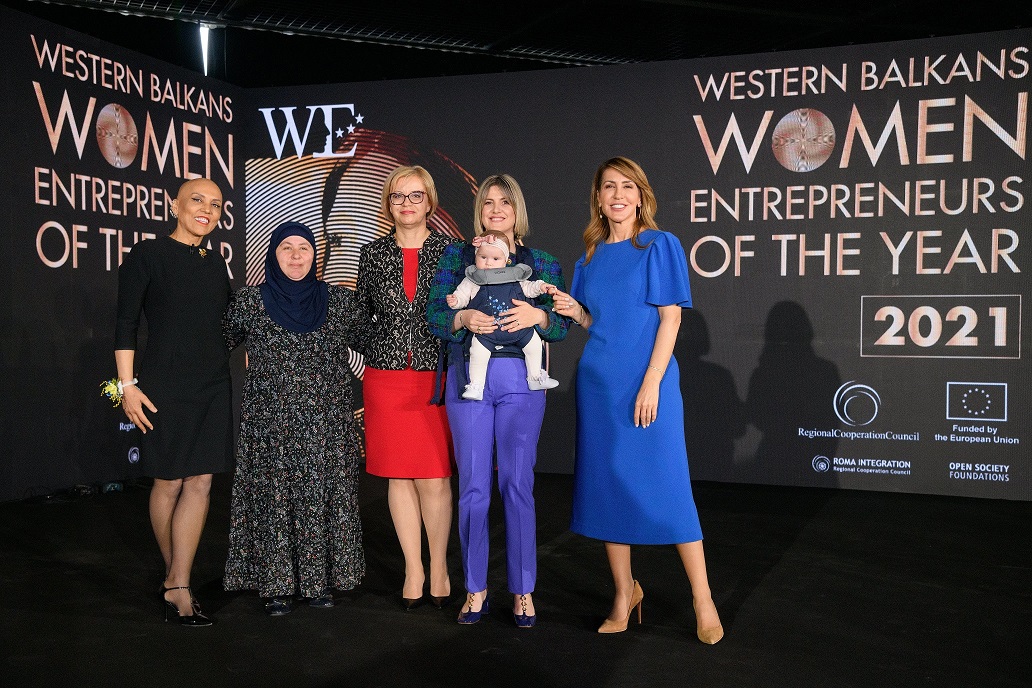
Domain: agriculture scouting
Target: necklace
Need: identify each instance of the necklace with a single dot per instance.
(202, 252)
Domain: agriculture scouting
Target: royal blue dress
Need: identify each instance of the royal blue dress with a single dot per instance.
(631, 484)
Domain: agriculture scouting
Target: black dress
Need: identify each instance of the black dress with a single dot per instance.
(294, 523)
(182, 291)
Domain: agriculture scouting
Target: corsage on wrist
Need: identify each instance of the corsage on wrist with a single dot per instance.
(114, 388)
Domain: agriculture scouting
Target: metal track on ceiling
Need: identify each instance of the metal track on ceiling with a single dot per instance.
(338, 21)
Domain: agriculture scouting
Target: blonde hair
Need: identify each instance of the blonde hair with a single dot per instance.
(512, 191)
(598, 229)
(408, 171)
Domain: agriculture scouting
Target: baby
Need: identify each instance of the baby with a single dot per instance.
(490, 287)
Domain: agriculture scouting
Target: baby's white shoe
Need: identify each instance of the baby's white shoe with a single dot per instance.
(541, 381)
(473, 391)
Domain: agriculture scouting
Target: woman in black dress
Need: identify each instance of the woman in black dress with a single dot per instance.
(178, 391)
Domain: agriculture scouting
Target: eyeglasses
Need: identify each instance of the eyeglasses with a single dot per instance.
(415, 198)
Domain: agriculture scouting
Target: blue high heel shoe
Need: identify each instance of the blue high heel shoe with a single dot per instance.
(524, 620)
(472, 617)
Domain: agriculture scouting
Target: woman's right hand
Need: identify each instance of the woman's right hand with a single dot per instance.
(475, 321)
(133, 401)
(566, 305)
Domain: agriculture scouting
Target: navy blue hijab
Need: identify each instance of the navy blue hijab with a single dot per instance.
(296, 306)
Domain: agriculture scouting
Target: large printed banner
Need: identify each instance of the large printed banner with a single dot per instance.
(100, 141)
(852, 218)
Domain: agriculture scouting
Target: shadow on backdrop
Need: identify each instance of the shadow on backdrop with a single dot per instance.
(792, 388)
(714, 414)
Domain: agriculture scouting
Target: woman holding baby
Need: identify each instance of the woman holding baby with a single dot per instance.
(503, 419)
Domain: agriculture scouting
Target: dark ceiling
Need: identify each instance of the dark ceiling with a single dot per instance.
(263, 43)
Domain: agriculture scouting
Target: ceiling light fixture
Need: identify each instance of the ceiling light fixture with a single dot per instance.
(204, 47)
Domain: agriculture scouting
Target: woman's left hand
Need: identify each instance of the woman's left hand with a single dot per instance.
(646, 405)
(522, 315)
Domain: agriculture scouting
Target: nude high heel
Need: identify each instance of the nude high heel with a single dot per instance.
(710, 636)
(609, 626)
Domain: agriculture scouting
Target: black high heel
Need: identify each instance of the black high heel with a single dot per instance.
(194, 604)
(196, 620)
(440, 602)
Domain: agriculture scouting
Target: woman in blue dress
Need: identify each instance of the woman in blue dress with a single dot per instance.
(631, 483)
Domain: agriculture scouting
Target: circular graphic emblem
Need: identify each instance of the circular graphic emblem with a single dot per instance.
(134, 454)
(803, 140)
(976, 402)
(117, 135)
(821, 464)
(856, 404)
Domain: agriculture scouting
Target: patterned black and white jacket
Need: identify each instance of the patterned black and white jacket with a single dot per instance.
(394, 325)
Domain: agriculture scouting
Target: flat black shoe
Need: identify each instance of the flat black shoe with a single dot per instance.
(195, 620)
(278, 606)
(323, 600)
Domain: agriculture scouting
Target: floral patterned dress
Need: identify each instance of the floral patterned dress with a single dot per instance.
(294, 522)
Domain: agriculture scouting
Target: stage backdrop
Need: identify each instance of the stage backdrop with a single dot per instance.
(852, 219)
(100, 140)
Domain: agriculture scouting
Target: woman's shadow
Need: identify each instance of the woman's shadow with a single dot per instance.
(792, 389)
(714, 415)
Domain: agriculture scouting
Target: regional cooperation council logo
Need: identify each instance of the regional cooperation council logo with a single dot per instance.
(856, 405)
(821, 464)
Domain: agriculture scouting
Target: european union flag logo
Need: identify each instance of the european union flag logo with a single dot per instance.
(976, 401)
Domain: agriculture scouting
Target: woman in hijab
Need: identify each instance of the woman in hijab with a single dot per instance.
(294, 523)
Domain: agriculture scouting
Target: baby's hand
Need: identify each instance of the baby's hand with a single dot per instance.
(551, 289)
(452, 300)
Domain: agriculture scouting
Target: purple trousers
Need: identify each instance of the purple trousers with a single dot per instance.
(509, 420)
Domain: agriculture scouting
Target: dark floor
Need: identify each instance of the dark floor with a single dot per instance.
(815, 588)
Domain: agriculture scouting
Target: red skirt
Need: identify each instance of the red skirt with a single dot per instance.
(406, 435)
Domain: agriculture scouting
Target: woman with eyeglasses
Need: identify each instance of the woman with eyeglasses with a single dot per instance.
(407, 437)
